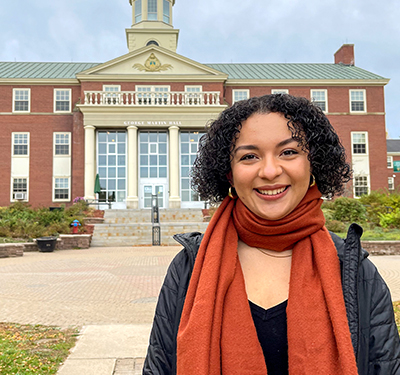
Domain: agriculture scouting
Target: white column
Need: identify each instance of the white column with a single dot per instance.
(174, 198)
(89, 161)
(132, 201)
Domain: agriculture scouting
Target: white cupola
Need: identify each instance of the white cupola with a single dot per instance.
(152, 24)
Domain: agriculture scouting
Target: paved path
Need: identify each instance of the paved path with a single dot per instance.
(110, 292)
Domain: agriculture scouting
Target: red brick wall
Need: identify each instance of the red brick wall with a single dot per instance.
(345, 54)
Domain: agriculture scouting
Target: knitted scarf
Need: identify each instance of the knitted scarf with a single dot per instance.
(217, 334)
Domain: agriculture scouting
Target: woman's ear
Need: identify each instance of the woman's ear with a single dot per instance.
(230, 178)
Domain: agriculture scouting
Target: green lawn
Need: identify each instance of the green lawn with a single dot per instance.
(34, 349)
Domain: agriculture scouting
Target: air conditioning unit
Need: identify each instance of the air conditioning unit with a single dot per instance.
(20, 196)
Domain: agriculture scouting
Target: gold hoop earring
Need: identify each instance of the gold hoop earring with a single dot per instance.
(230, 193)
(313, 180)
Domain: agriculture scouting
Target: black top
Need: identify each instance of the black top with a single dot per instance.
(271, 330)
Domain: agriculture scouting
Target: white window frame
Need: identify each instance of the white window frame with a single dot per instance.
(55, 100)
(364, 101)
(138, 11)
(390, 162)
(55, 144)
(312, 93)
(367, 186)
(112, 94)
(152, 13)
(29, 100)
(166, 2)
(13, 144)
(193, 97)
(12, 189)
(391, 183)
(353, 143)
(280, 91)
(153, 91)
(247, 91)
(54, 189)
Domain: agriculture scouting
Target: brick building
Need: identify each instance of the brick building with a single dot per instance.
(393, 164)
(136, 120)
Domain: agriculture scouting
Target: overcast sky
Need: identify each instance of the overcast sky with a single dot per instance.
(216, 31)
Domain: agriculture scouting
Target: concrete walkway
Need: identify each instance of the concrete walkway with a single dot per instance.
(110, 293)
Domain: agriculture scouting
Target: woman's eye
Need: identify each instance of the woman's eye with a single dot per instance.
(248, 157)
(289, 152)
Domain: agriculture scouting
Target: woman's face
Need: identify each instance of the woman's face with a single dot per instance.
(270, 172)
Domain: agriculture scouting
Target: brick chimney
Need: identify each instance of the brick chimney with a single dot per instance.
(345, 54)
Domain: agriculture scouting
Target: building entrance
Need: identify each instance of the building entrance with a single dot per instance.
(153, 168)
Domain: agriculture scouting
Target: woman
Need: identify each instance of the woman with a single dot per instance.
(268, 289)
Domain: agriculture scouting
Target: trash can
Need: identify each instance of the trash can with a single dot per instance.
(46, 244)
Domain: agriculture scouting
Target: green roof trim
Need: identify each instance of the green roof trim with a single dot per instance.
(250, 71)
(291, 71)
(42, 70)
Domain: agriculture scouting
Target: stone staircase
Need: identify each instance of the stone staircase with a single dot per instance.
(134, 228)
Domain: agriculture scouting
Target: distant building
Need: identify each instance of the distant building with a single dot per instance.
(136, 120)
(393, 164)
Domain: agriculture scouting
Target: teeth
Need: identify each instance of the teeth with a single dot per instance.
(272, 192)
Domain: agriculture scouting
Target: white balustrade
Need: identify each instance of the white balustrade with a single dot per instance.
(144, 98)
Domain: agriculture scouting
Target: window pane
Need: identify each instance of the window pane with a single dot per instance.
(121, 172)
(144, 172)
(144, 160)
(103, 172)
(162, 148)
(102, 136)
(102, 148)
(112, 160)
(163, 172)
(121, 136)
(153, 172)
(112, 172)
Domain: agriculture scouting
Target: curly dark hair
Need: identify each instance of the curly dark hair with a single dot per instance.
(309, 127)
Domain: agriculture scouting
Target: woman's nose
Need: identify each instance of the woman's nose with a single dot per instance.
(270, 168)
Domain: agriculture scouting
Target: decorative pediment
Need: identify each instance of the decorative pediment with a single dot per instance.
(151, 62)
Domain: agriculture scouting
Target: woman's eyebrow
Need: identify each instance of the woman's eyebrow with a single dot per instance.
(253, 147)
(245, 147)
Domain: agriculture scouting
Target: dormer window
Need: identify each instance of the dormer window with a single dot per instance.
(138, 11)
(152, 10)
(166, 12)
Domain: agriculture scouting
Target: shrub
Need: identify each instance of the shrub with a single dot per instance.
(19, 220)
(349, 210)
(376, 203)
(335, 226)
(390, 219)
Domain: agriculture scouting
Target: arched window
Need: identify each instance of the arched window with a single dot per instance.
(152, 42)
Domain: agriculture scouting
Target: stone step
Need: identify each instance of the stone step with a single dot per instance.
(144, 215)
(134, 234)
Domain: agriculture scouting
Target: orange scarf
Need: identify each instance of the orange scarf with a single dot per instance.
(217, 334)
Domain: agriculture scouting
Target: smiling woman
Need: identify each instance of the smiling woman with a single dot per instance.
(271, 174)
(268, 289)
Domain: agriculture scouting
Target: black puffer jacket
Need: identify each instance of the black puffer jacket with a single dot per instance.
(369, 309)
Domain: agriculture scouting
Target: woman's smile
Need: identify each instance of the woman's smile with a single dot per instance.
(270, 170)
